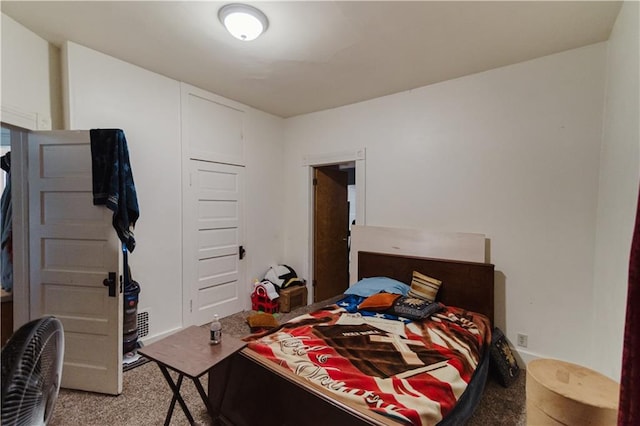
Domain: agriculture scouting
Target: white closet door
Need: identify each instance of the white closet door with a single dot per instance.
(213, 269)
(73, 248)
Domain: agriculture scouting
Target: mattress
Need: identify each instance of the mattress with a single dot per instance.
(410, 371)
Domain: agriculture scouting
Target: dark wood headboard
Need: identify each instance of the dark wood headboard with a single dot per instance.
(467, 285)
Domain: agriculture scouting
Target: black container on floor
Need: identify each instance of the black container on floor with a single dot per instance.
(130, 317)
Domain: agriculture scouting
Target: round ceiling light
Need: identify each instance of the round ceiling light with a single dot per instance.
(244, 22)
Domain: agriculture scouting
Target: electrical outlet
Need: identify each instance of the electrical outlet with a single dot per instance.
(523, 340)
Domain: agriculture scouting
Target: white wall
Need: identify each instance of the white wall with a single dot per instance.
(617, 201)
(29, 64)
(265, 199)
(109, 93)
(106, 92)
(511, 153)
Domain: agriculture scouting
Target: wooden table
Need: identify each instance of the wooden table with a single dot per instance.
(189, 353)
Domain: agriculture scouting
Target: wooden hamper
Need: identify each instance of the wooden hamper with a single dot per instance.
(561, 393)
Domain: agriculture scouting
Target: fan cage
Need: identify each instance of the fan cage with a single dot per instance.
(31, 372)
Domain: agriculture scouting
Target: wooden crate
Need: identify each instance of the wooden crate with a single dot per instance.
(293, 297)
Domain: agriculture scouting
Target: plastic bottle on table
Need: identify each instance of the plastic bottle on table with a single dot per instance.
(216, 331)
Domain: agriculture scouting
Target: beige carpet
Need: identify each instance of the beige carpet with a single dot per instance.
(146, 396)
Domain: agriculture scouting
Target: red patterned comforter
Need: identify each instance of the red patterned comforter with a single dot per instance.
(414, 372)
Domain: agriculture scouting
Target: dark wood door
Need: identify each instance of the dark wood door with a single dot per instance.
(331, 228)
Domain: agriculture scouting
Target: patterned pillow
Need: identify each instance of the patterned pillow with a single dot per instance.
(424, 287)
(414, 308)
(503, 363)
(378, 302)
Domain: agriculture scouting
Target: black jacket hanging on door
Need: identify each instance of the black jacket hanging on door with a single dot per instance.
(6, 231)
(113, 181)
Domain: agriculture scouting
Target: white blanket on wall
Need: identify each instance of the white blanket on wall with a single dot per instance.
(414, 242)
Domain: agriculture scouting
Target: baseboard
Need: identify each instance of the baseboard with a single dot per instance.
(150, 339)
(524, 357)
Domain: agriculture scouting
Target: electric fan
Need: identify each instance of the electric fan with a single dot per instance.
(31, 372)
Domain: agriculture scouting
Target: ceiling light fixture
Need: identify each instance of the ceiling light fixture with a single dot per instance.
(244, 22)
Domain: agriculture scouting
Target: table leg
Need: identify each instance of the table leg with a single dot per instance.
(204, 397)
(172, 405)
(175, 387)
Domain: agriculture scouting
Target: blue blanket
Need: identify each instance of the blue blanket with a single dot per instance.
(113, 184)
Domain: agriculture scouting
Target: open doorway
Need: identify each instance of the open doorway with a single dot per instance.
(14, 140)
(355, 162)
(334, 211)
(6, 263)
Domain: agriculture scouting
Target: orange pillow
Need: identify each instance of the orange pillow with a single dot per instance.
(378, 302)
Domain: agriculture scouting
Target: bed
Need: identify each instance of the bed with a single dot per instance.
(257, 385)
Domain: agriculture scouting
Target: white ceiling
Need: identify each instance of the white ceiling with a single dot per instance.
(319, 55)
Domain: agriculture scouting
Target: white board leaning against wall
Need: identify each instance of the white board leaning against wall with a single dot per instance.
(414, 242)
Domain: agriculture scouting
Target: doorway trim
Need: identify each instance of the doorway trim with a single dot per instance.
(20, 205)
(310, 161)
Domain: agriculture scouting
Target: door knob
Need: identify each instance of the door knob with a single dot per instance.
(111, 283)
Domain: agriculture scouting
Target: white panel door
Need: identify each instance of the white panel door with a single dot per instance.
(213, 227)
(73, 248)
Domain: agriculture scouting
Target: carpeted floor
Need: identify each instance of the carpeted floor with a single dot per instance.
(146, 396)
